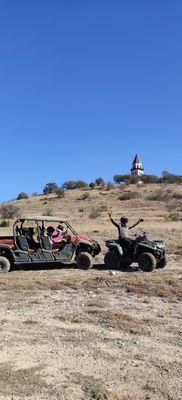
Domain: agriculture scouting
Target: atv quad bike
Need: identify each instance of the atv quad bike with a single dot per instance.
(18, 249)
(148, 254)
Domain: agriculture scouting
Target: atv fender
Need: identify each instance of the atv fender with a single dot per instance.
(117, 247)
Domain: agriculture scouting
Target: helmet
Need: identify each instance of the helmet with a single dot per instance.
(124, 220)
(61, 227)
(50, 229)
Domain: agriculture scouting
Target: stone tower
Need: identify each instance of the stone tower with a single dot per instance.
(137, 167)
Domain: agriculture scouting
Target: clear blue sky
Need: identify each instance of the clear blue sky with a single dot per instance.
(84, 85)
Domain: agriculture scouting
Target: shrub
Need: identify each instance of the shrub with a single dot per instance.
(92, 185)
(128, 196)
(120, 178)
(22, 195)
(132, 179)
(9, 211)
(167, 177)
(85, 196)
(34, 194)
(150, 179)
(69, 185)
(81, 210)
(175, 216)
(4, 224)
(60, 193)
(81, 185)
(50, 187)
(100, 182)
(158, 196)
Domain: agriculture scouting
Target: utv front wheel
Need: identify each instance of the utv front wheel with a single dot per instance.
(4, 265)
(162, 262)
(112, 260)
(147, 262)
(84, 261)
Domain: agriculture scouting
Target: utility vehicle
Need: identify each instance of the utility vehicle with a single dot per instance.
(29, 244)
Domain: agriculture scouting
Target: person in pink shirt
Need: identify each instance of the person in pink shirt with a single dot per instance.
(56, 236)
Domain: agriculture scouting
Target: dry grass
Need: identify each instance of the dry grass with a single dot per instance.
(92, 388)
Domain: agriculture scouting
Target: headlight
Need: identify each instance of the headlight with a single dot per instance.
(158, 253)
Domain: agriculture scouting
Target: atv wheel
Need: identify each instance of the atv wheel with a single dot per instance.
(125, 264)
(147, 262)
(112, 260)
(162, 262)
(84, 261)
(4, 265)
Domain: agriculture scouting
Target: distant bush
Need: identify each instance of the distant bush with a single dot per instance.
(9, 211)
(150, 179)
(92, 185)
(81, 210)
(120, 178)
(174, 216)
(100, 182)
(158, 196)
(34, 194)
(50, 187)
(132, 179)
(22, 195)
(167, 177)
(128, 196)
(70, 185)
(60, 193)
(85, 196)
(4, 224)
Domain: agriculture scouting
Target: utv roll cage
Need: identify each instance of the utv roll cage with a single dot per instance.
(39, 220)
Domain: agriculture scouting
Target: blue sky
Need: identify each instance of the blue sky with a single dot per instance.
(84, 86)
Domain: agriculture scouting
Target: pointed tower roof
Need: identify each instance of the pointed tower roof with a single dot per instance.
(137, 160)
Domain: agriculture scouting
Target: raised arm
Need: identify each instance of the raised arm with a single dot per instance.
(112, 220)
(136, 223)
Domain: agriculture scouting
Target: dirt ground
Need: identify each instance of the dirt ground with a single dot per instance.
(71, 334)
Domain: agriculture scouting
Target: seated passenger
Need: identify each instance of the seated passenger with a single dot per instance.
(56, 236)
(59, 234)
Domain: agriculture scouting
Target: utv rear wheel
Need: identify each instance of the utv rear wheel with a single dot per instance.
(162, 262)
(84, 261)
(4, 265)
(147, 262)
(112, 260)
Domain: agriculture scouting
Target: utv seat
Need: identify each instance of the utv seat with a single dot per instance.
(46, 243)
(22, 243)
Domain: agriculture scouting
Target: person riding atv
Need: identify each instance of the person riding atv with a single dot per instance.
(123, 230)
(124, 251)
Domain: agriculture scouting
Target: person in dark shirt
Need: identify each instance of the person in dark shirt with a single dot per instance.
(123, 230)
